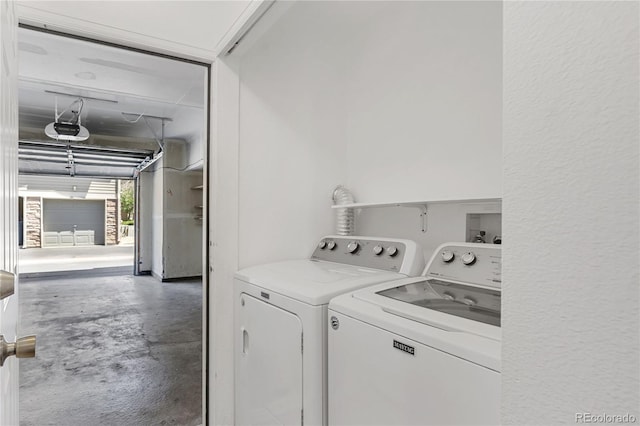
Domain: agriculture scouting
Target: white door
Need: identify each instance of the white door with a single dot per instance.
(268, 365)
(8, 204)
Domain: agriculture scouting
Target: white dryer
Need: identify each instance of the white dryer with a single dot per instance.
(280, 324)
(420, 351)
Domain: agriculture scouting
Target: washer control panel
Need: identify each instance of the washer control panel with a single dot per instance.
(402, 256)
(479, 264)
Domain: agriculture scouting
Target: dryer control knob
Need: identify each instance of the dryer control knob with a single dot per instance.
(392, 250)
(331, 245)
(448, 256)
(469, 258)
(322, 245)
(377, 250)
(353, 247)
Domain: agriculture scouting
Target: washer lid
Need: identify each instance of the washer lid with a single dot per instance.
(313, 282)
(470, 302)
(474, 341)
(415, 289)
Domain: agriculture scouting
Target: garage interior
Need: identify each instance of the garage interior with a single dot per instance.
(113, 350)
(135, 333)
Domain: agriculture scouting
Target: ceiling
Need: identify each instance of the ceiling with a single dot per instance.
(127, 96)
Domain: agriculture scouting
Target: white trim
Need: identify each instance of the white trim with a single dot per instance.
(256, 27)
(223, 215)
(24, 220)
(67, 195)
(206, 268)
(28, 15)
(41, 222)
(118, 218)
(243, 25)
(104, 221)
(223, 255)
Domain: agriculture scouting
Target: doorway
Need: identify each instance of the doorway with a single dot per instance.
(132, 333)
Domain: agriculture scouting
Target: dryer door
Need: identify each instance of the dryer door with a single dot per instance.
(268, 364)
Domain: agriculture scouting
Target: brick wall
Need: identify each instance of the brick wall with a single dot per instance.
(112, 236)
(33, 222)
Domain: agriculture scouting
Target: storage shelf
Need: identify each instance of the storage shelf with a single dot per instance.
(199, 207)
(422, 205)
(415, 203)
(198, 187)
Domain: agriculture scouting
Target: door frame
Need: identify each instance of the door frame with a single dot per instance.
(220, 180)
(9, 321)
(75, 28)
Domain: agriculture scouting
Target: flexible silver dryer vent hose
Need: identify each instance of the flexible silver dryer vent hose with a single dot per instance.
(345, 218)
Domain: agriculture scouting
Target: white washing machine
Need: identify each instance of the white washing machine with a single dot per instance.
(420, 351)
(280, 324)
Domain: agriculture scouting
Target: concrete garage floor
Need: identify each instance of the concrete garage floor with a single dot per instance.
(56, 259)
(111, 350)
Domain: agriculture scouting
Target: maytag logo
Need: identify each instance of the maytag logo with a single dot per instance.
(404, 348)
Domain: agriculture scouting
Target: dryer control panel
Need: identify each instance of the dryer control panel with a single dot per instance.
(395, 255)
(479, 264)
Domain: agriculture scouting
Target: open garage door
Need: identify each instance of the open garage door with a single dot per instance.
(73, 222)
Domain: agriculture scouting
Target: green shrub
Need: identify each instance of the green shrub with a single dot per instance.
(127, 205)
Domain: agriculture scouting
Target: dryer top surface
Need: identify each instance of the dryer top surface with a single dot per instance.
(313, 282)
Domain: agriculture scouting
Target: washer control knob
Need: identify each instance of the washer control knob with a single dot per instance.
(353, 247)
(469, 301)
(469, 258)
(392, 250)
(448, 256)
(322, 245)
(331, 245)
(377, 250)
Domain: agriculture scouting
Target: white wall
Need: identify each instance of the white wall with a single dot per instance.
(423, 100)
(445, 223)
(182, 233)
(197, 141)
(157, 220)
(400, 101)
(176, 234)
(570, 316)
(195, 153)
(292, 148)
(62, 187)
(317, 108)
(424, 115)
(144, 220)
